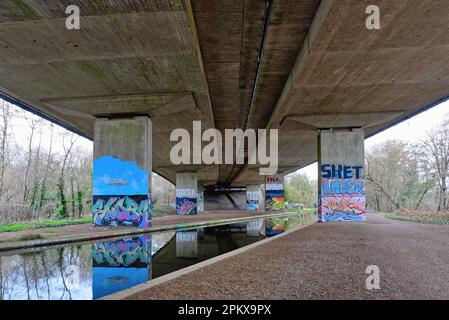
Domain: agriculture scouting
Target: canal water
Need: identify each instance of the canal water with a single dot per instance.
(93, 270)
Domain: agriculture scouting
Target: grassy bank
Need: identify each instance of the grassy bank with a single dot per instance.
(43, 224)
(155, 212)
(417, 219)
(297, 210)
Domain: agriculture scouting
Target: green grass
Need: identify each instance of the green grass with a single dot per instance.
(43, 224)
(155, 211)
(297, 210)
(423, 219)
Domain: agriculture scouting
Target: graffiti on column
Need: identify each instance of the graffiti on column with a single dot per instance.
(342, 193)
(274, 194)
(200, 207)
(252, 201)
(186, 202)
(120, 194)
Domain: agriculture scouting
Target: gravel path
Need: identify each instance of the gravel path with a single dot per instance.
(82, 229)
(327, 261)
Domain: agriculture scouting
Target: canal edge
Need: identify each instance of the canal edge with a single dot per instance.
(176, 274)
(5, 246)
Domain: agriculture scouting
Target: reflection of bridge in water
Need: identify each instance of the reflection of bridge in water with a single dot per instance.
(91, 271)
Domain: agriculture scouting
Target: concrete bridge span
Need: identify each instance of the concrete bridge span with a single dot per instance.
(297, 66)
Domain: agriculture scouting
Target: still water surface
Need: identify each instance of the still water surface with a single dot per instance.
(94, 270)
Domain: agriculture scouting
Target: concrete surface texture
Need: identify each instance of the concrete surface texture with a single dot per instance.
(224, 199)
(326, 261)
(180, 61)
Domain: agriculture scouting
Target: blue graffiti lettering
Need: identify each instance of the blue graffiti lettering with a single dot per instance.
(340, 171)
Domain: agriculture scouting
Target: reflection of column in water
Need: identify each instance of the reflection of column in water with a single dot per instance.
(120, 264)
(200, 232)
(1, 278)
(275, 226)
(254, 228)
(187, 244)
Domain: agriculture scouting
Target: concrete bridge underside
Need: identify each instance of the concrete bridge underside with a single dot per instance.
(179, 61)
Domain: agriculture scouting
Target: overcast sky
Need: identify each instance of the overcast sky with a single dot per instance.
(411, 130)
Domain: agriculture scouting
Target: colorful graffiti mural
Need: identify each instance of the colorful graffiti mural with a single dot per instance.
(342, 195)
(131, 252)
(121, 264)
(117, 211)
(120, 193)
(274, 194)
(186, 202)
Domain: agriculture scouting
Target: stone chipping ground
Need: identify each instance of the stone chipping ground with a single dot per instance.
(327, 261)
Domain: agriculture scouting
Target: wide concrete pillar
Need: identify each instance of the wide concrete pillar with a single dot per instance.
(274, 194)
(122, 172)
(186, 193)
(200, 198)
(341, 183)
(254, 200)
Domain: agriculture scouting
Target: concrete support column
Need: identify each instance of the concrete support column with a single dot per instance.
(341, 183)
(186, 193)
(274, 193)
(122, 172)
(254, 200)
(200, 194)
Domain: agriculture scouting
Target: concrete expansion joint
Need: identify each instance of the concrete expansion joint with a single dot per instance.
(123, 116)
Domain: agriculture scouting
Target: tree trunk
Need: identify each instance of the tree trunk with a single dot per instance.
(3, 146)
(443, 193)
(27, 170)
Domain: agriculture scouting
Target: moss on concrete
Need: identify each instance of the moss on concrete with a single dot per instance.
(131, 131)
(92, 70)
(26, 10)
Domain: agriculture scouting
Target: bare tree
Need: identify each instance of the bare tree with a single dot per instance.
(4, 131)
(43, 182)
(433, 151)
(393, 177)
(33, 126)
(36, 178)
(68, 141)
